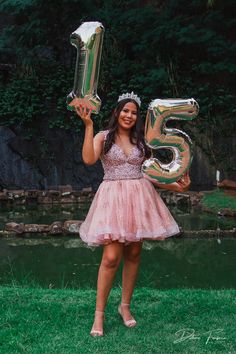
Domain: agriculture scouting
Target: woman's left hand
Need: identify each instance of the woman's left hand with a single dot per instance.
(182, 185)
(184, 182)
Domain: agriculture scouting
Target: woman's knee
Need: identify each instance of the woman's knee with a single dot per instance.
(111, 261)
(112, 254)
(133, 255)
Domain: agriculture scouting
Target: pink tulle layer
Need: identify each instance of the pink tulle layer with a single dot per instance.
(127, 211)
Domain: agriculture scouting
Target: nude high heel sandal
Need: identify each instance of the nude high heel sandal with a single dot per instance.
(129, 323)
(97, 332)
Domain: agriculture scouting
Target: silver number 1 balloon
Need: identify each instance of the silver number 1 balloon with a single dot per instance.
(88, 40)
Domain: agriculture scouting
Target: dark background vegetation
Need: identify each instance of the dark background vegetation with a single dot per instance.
(158, 49)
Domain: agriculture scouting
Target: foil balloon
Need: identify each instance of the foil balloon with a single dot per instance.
(158, 136)
(88, 40)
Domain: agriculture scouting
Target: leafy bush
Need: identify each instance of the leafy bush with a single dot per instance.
(158, 49)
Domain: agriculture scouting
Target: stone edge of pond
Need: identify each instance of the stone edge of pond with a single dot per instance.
(56, 228)
(61, 195)
(66, 195)
(220, 212)
(71, 228)
(58, 195)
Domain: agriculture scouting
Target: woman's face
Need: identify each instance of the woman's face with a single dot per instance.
(128, 116)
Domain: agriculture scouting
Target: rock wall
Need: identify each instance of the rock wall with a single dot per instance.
(201, 172)
(56, 160)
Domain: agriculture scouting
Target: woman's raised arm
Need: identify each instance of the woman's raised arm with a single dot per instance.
(92, 146)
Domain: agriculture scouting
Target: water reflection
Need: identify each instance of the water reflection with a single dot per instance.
(187, 218)
(174, 263)
(43, 214)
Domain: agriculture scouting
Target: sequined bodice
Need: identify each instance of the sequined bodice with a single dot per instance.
(117, 165)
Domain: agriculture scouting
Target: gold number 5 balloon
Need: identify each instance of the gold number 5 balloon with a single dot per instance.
(88, 40)
(158, 136)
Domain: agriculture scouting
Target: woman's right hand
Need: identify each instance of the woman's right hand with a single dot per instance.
(85, 114)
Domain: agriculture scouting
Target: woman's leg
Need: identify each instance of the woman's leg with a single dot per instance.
(132, 255)
(112, 254)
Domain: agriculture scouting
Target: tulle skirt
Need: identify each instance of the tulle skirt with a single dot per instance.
(127, 211)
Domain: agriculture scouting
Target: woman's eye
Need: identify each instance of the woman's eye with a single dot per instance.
(126, 111)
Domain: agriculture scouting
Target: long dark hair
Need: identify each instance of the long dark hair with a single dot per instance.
(136, 136)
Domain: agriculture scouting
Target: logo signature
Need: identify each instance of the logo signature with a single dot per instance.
(190, 334)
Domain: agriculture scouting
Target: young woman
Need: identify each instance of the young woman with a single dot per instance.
(126, 208)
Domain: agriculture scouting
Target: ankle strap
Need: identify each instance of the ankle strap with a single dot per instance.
(98, 311)
(124, 304)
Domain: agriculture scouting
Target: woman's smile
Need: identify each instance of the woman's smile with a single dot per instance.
(128, 115)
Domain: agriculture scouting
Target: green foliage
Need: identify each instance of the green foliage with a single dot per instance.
(158, 49)
(218, 200)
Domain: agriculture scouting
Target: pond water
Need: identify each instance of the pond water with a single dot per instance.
(65, 261)
(187, 218)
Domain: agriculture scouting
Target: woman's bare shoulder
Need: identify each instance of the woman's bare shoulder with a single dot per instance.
(101, 136)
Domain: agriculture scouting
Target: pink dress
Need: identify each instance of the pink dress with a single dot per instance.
(126, 207)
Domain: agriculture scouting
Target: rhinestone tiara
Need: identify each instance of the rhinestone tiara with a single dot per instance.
(131, 95)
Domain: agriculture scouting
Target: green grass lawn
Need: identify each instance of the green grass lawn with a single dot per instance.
(218, 200)
(36, 320)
